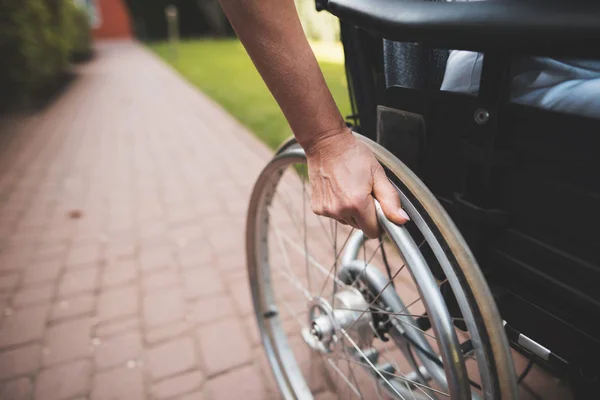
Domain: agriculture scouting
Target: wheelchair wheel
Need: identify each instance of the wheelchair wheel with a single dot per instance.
(407, 316)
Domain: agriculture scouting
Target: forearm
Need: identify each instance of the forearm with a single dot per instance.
(273, 37)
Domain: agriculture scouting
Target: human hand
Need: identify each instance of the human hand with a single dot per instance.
(344, 176)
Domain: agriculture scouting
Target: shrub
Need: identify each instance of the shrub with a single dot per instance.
(76, 25)
(37, 38)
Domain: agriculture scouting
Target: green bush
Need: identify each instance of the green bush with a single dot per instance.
(37, 39)
(76, 24)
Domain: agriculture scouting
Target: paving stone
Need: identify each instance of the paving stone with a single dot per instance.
(212, 308)
(189, 232)
(68, 341)
(20, 361)
(51, 252)
(114, 327)
(119, 273)
(540, 384)
(194, 254)
(326, 396)
(118, 302)
(8, 282)
(165, 306)
(35, 295)
(202, 282)
(118, 350)
(224, 242)
(117, 251)
(177, 385)
(81, 256)
(18, 389)
(260, 361)
(233, 276)
(77, 281)
(23, 326)
(171, 358)
(223, 345)
(64, 381)
(167, 331)
(157, 258)
(42, 271)
(242, 383)
(242, 297)
(15, 258)
(118, 384)
(160, 279)
(253, 331)
(192, 396)
(73, 307)
(236, 261)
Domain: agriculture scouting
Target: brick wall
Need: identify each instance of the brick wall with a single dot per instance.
(114, 20)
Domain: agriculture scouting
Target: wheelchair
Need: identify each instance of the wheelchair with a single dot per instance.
(501, 250)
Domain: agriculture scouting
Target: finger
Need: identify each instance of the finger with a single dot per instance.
(366, 218)
(388, 197)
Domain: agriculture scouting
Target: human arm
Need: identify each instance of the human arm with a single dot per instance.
(343, 172)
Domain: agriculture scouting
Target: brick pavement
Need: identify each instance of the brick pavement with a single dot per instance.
(134, 299)
(145, 295)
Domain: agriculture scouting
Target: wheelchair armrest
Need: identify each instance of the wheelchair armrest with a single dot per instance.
(536, 28)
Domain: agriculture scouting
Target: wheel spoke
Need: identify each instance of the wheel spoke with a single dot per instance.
(381, 372)
(289, 212)
(395, 315)
(378, 310)
(335, 261)
(291, 311)
(366, 265)
(364, 357)
(412, 303)
(352, 372)
(296, 283)
(293, 279)
(344, 378)
(308, 196)
(377, 297)
(405, 381)
(305, 235)
(319, 267)
(337, 256)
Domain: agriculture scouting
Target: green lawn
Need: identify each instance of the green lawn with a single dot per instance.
(223, 70)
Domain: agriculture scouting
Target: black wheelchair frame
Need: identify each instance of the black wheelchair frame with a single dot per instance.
(521, 183)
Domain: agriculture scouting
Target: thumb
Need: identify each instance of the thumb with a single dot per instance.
(388, 197)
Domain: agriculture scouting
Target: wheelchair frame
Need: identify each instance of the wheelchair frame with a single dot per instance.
(503, 171)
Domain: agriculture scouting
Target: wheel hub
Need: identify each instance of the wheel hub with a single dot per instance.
(328, 324)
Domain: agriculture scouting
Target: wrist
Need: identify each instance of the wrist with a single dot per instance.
(329, 143)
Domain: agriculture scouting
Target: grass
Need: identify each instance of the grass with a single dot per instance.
(223, 70)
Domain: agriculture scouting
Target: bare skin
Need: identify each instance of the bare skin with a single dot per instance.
(343, 173)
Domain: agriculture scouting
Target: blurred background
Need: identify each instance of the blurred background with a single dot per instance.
(129, 145)
(44, 38)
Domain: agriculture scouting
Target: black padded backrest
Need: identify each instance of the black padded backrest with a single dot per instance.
(414, 65)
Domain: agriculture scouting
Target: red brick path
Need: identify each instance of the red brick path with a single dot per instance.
(145, 296)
